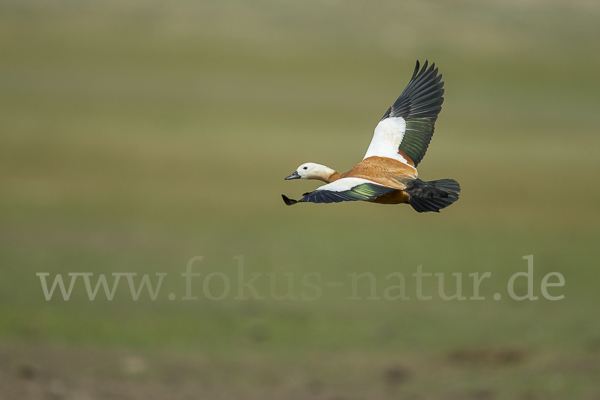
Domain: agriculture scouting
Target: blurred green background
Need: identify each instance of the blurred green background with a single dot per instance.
(136, 135)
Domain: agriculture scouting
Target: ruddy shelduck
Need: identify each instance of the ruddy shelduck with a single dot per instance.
(388, 172)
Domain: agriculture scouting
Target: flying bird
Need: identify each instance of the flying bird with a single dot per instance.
(388, 172)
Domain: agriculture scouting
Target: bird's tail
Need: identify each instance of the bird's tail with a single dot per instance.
(433, 195)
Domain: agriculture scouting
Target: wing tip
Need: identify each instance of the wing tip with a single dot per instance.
(416, 71)
(288, 201)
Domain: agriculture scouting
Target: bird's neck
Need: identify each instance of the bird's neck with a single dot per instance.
(332, 176)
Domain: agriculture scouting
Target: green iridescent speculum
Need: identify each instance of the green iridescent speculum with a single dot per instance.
(415, 145)
(367, 191)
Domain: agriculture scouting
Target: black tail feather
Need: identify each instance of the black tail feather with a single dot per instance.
(433, 195)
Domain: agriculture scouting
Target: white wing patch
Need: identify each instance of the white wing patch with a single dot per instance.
(344, 184)
(387, 138)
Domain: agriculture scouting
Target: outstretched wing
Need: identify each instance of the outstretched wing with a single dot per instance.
(406, 128)
(345, 189)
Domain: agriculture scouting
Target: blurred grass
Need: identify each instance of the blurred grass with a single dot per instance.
(136, 135)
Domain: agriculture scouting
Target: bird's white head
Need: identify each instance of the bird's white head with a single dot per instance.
(312, 171)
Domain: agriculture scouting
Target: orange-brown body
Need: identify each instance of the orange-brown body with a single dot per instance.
(385, 171)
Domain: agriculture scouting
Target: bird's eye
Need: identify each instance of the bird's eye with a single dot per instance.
(305, 167)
